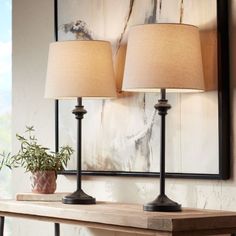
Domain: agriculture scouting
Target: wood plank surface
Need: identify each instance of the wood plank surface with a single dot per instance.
(124, 216)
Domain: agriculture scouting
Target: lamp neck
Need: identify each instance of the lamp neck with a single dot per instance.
(79, 112)
(163, 94)
(162, 106)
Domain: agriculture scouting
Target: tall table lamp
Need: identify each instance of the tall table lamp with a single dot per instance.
(163, 57)
(78, 69)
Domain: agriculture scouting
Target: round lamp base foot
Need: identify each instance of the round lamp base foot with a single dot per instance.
(78, 197)
(162, 203)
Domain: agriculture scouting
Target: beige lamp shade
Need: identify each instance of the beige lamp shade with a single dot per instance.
(163, 56)
(80, 69)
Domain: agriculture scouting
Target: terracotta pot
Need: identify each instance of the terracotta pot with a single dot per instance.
(43, 182)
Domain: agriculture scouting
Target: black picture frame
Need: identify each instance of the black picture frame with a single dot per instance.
(223, 107)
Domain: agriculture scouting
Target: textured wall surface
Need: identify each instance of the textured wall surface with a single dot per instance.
(32, 31)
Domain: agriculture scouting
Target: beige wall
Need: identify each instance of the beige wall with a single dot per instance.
(32, 32)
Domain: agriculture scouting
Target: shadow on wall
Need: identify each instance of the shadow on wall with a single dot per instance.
(209, 57)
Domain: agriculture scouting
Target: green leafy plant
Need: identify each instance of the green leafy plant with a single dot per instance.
(34, 157)
(3, 158)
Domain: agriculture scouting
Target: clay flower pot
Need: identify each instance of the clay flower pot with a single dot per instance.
(43, 182)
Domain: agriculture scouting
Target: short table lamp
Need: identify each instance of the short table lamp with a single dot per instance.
(160, 57)
(79, 69)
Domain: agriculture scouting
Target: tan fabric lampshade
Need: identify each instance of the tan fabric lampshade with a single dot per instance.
(80, 69)
(163, 56)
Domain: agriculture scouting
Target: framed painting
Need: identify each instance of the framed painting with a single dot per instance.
(121, 136)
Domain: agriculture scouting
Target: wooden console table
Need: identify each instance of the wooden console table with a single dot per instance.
(128, 218)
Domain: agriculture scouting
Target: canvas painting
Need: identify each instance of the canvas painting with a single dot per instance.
(123, 134)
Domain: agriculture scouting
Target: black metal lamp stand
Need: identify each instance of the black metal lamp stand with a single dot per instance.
(162, 202)
(79, 196)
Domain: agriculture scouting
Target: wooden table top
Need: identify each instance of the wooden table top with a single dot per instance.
(121, 215)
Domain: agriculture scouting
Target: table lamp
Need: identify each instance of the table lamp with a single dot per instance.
(78, 69)
(163, 57)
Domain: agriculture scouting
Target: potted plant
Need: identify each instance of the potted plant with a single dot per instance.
(40, 161)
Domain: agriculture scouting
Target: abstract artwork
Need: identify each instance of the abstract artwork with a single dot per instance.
(121, 136)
